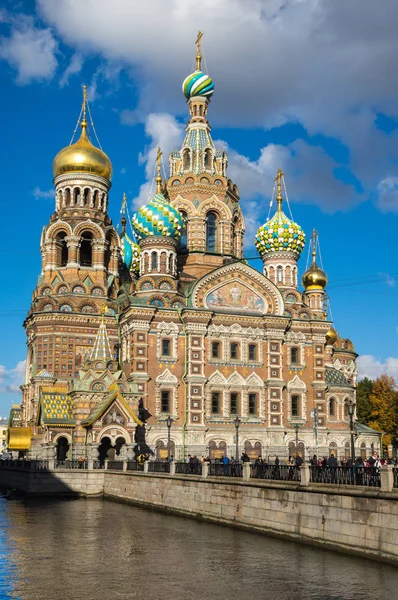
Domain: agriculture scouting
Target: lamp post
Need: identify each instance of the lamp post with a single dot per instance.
(237, 423)
(169, 423)
(296, 424)
(351, 410)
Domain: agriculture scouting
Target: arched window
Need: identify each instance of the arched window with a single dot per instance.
(183, 239)
(62, 250)
(333, 449)
(208, 160)
(67, 197)
(86, 194)
(154, 261)
(215, 349)
(347, 450)
(234, 351)
(185, 160)
(280, 275)
(86, 249)
(294, 356)
(211, 232)
(76, 196)
(295, 406)
(95, 200)
(332, 407)
(252, 352)
(363, 450)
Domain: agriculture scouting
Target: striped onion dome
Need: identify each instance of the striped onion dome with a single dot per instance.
(158, 218)
(198, 84)
(279, 234)
(130, 254)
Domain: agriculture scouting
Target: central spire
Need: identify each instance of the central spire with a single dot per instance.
(102, 349)
(158, 176)
(279, 197)
(198, 55)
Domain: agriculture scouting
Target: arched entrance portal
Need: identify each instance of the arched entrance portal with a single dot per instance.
(103, 450)
(62, 449)
(119, 443)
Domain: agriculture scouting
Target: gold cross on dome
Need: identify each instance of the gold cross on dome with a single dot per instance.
(198, 54)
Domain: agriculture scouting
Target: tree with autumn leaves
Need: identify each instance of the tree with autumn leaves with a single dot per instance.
(377, 406)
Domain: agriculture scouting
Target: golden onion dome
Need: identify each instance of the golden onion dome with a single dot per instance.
(82, 157)
(331, 337)
(314, 278)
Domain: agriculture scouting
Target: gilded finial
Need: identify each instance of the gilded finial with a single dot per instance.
(279, 197)
(314, 238)
(84, 111)
(123, 211)
(158, 176)
(198, 54)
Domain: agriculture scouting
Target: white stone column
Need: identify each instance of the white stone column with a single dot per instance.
(386, 478)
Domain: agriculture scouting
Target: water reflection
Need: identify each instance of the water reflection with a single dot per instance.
(91, 549)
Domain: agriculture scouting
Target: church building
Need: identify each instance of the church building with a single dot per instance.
(168, 310)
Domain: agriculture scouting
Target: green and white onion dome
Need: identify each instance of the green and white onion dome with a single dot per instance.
(279, 234)
(130, 254)
(198, 84)
(158, 218)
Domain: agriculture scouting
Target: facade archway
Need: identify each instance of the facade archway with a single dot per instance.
(62, 448)
(217, 451)
(253, 450)
(104, 449)
(162, 450)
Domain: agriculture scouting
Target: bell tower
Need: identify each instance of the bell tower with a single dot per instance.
(200, 189)
(80, 251)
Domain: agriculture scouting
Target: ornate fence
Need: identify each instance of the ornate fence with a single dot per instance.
(157, 466)
(134, 465)
(230, 470)
(366, 476)
(184, 468)
(275, 473)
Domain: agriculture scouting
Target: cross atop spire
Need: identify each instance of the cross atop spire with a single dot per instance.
(279, 197)
(198, 54)
(158, 176)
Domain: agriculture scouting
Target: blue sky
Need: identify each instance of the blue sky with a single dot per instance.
(308, 86)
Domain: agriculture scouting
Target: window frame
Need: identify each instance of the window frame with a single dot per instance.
(218, 401)
(215, 344)
(255, 412)
(295, 405)
(162, 405)
(236, 399)
(231, 352)
(168, 342)
(250, 347)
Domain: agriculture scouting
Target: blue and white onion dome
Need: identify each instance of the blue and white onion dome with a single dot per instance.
(198, 84)
(158, 218)
(279, 234)
(131, 254)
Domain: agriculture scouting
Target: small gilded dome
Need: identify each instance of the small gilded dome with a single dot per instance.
(331, 337)
(279, 234)
(314, 278)
(82, 157)
(198, 84)
(158, 218)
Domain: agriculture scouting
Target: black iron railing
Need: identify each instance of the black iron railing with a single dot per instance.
(230, 470)
(97, 464)
(356, 475)
(115, 465)
(134, 465)
(71, 464)
(275, 472)
(157, 466)
(395, 474)
(25, 465)
(184, 468)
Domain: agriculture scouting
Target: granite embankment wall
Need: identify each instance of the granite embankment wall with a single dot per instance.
(353, 519)
(358, 521)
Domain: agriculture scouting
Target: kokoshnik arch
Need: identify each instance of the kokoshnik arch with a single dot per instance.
(173, 314)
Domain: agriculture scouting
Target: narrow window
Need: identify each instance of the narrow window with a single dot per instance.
(234, 351)
(215, 349)
(165, 347)
(215, 403)
(183, 239)
(332, 407)
(280, 275)
(252, 404)
(154, 261)
(294, 356)
(165, 401)
(62, 249)
(252, 352)
(86, 196)
(211, 232)
(295, 406)
(233, 403)
(86, 250)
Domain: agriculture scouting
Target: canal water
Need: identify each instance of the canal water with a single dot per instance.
(100, 550)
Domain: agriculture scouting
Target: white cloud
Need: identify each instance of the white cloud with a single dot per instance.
(370, 366)
(46, 194)
(11, 379)
(387, 198)
(74, 67)
(30, 50)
